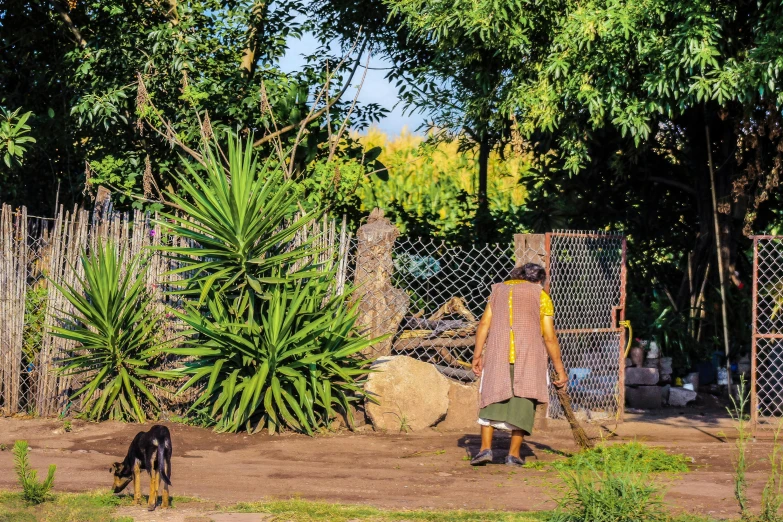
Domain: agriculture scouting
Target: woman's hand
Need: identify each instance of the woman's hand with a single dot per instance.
(562, 379)
(478, 366)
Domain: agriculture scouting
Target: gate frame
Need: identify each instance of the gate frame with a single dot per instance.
(618, 312)
(755, 335)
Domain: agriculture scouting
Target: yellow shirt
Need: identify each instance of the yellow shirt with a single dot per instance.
(547, 310)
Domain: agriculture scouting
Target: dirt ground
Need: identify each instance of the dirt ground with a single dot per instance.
(417, 470)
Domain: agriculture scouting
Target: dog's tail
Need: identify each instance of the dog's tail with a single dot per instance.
(162, 462)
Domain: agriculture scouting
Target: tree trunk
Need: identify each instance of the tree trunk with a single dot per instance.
(257, 16)
(482, 213)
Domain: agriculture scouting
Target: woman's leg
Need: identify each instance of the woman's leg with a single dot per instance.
(517, 438)
(486, 437)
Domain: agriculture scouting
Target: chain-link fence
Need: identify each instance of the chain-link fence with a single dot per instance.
(587, 286)
(767, 349)
(429, 296)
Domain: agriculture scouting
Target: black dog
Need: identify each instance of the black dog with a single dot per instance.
(149, 450)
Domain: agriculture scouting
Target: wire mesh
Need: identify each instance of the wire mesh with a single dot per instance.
(587, 286)
(767, 377)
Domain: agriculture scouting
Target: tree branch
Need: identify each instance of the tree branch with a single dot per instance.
(317, 114)
(69, 23)
(674, 183)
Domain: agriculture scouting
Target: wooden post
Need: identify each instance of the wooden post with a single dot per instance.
(381, 306)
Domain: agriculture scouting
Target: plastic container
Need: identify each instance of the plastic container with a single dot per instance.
(723, 377)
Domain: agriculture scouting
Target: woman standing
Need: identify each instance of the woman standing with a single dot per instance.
(514, 336)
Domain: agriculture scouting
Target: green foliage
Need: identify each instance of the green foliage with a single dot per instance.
(116, 329)
(14, 135)
(633, 456)
(430, 190)
(32, 491)
(615, 484)
(273, 345)
(63, 507)
(737, 411)
(772, 494)
(34, 320)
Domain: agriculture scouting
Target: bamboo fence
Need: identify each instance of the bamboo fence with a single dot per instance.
(37, 251)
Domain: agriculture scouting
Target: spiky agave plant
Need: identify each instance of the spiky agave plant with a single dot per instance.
(115, 328)
(290, 368)
(272, 346)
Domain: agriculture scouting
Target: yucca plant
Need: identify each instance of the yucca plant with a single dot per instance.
(115, 327)
(290, 369)
(273, 346)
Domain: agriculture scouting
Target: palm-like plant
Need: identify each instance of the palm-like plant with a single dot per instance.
(288, 370)
(115, 327)
(273, 346)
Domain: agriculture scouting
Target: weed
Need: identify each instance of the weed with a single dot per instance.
(611, 488)
(67, 427)
(772, 495)
(741, 420)
(63, 507)
(3, 447)
(32, 491)
(633, 456)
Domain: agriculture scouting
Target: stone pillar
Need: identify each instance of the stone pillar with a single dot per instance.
(530, 248)
(381, 306)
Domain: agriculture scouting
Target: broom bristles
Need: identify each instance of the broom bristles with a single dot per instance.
(580, 437)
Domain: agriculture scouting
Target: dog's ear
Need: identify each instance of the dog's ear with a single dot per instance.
(115, 467)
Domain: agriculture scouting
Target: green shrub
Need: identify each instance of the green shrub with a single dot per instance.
(615, 483)
(631, 456)
(116, 329)
(32, 491)
(273, 345)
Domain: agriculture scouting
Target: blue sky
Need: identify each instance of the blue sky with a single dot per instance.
(375, 89)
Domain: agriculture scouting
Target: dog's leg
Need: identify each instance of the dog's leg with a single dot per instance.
(153, 502)
(165, 502)
(136, 484)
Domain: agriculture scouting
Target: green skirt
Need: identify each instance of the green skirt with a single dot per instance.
(517, 411)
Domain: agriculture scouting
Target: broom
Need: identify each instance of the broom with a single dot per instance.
(580, 437)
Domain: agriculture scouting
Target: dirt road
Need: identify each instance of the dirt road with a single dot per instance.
(422, 470)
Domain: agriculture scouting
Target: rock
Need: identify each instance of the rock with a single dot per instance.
(412, 395)
(463, 407)
(680, 396)
(644, 397)
(641, 376)
(651, 363)
(637, 355)
(628, 362)
(665, 393)
(665, 366)
(693, 378)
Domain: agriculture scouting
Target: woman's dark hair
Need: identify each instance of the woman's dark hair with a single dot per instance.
(529, 272)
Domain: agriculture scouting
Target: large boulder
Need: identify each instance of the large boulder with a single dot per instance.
(679, 397)
(463, 407)
(411, 395)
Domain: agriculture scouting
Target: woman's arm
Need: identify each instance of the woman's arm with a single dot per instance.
(481, 339)
(553, 349)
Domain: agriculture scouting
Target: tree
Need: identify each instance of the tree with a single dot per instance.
(623, 93)
(91, 72)
(455, 80)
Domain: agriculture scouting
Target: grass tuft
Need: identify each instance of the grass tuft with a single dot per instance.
(631, 457)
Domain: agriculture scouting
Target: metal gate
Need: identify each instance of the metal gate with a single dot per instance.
(766, 384)
(587, 276)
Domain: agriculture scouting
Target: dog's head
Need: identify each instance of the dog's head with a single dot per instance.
(122, 477)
